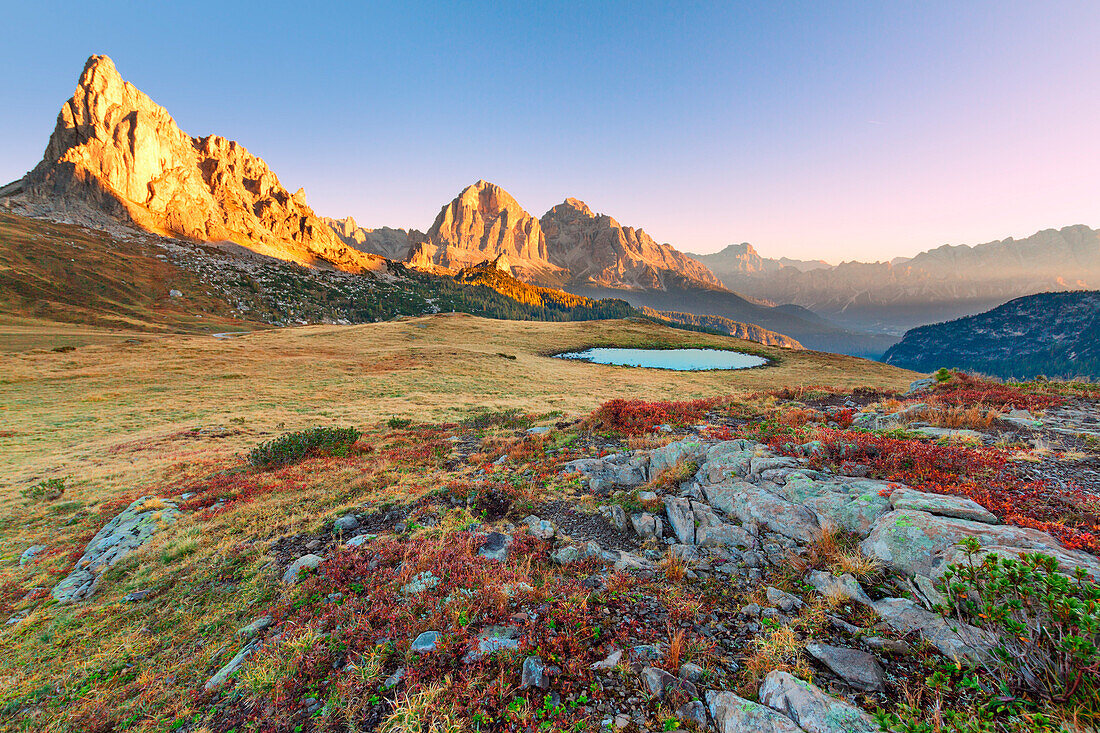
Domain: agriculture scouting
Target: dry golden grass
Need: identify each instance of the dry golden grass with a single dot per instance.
(426, 711)
(674, 656)
(674, 566)
(971, 418)
(834, 550)
(779, 649)
(122, 413)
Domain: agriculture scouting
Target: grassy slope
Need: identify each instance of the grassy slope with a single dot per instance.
(55, 273)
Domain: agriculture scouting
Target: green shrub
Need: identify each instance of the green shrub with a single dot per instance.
(942, 374)
(294, 447)
(398, 423)
(48, 490)
(1047, 622)
(508, 419)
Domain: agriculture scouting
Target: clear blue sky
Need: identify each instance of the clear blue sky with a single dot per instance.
(812, 129)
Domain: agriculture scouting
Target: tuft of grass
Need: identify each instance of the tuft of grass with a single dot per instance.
(778, 649)
(674, 567)
(425, 711)
(671, 478)
(837, 551)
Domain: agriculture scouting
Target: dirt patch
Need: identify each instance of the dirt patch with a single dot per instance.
(583, 527)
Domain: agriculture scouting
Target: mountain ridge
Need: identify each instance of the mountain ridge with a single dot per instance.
(1056, 334)
(935, 285)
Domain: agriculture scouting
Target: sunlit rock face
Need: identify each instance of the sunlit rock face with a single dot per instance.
(483, 223)
(115, 153)
(393, 244)
(599, 251)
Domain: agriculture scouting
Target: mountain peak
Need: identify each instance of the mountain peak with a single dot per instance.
(116, 156)
(579, 205)
(740, 249)
(599, 251)
(98, 69)
(483, 222)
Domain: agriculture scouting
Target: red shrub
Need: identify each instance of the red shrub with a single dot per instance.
(637, 417)
(967, 391)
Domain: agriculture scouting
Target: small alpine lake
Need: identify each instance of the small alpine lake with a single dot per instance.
(679, 360)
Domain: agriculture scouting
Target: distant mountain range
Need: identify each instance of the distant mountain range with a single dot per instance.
(595, 256)
(742, 261)
(940, 284)
(1054, 334)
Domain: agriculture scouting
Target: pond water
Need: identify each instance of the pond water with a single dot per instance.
(680, 360)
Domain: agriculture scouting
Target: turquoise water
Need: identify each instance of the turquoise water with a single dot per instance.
(680, 360)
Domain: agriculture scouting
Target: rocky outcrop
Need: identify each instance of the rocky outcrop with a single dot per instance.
(115, 540)
(393, 244)
(746, 507)
(483, 223)
(598, 251)
(117, 156)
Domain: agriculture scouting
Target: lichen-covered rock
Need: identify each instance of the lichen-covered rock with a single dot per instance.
(294, 571)
(853, 511)
(751, 503)
(669, 455)
(956, 434)
(115, 540)
(811, 708)
(942, 505)
(844, 587)
(952, 638)
(858, 668)
(647, 525)
(784, 601)
(733, 714)
(918, 543)
(495, 546)
(223, 674)
(681, 519)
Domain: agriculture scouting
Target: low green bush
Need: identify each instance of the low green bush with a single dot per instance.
(1047, 622)
(510, 419)
(294, 447)
(48, 490)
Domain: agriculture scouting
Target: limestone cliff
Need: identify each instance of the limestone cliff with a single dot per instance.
(482, 223)
(115, 155)
(393, 244)
(599, 251)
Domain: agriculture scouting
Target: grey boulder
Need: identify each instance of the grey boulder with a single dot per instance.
(814, 710)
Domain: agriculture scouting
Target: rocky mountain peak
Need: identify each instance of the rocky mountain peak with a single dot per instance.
(115, 156)
(598, 251)
(483, 222)
(580, 206)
